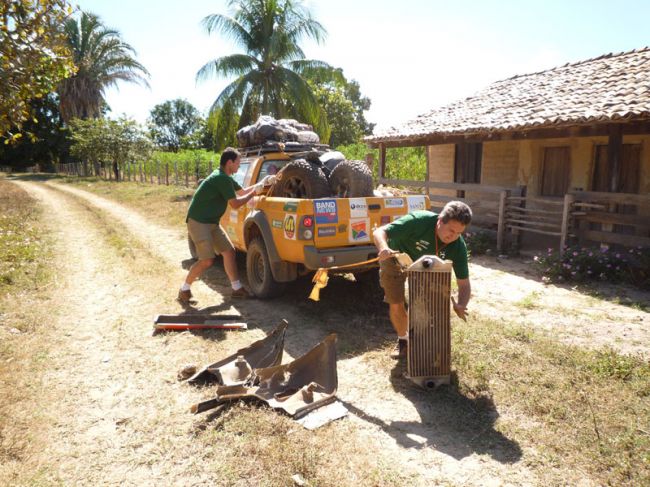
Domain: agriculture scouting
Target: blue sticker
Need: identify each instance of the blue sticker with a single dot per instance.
(326, 231)
(325, 211)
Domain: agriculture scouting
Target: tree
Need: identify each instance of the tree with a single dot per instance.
(48, 141)
(270, 75)
(345, 106)
(34, 58)
(102, 59)
(173, 124)
(114, 142)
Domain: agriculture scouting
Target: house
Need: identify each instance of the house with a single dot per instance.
(561, 154)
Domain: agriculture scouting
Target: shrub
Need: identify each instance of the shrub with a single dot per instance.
(577, 264)
(479, 242)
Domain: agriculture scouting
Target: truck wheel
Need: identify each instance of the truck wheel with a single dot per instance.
(351, 179)
(301, 179)
(258, 270)
(192, 247)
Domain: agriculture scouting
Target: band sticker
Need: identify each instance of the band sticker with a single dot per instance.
(416, 203)
(277, 223)
(325, 211)
(326, 231)
(359, 230)
(290, 227)
(234, 216)
(358, 208)
(291, 206)
(393, 203)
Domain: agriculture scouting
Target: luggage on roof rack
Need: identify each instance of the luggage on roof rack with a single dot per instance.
(272, 146)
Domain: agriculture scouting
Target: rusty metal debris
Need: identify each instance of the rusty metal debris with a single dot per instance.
(198, 322)
(297, 388)
(238, 367)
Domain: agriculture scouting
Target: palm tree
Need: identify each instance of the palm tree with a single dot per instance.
(270, 78)
(102, 59)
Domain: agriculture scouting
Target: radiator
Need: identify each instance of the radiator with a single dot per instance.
(429, 340)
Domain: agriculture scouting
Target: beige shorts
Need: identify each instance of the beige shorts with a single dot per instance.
(209, 239)
(392, 279)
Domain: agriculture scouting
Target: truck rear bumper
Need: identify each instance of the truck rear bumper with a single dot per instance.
(317, 258)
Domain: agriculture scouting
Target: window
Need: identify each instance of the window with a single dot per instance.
(241, 173)
(556, 170)
(467, 163)
(627, 176)
(271, 167)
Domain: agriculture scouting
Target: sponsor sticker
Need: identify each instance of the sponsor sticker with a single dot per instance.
(291, 206)
(325, 211)
(231, 231)
(358, 208)
(277, 223)
(290, 227)
(416, 203)
(393, 203)
(359, 230)
(234, 216)
(384, 220)
(326, 231)
(343, 228)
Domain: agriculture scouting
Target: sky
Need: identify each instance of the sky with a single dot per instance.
(408, 56)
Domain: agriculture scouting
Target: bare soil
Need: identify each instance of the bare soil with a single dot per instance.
(119, 415)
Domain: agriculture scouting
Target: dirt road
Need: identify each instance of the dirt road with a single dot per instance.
(120, 417)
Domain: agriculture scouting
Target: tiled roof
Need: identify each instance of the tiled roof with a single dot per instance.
(610, 87)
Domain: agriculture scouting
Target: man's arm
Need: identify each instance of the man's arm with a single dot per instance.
(381, 242)
(242, 197)
(464, 293)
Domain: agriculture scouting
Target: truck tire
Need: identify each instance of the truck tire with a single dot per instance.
(351, 179)
(258, 270)
(192, 247)
(301, 179)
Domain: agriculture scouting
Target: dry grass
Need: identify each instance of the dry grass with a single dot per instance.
(573, 413)
(25, 278)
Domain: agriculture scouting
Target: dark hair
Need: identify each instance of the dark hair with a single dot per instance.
(456, 210)
(228, 154)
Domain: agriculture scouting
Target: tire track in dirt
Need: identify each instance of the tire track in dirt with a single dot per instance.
(418, 433)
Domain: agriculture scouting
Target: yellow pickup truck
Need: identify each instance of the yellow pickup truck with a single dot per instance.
(286, 235)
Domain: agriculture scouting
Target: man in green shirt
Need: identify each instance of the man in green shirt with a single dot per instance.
(208, 205)
(417, 234)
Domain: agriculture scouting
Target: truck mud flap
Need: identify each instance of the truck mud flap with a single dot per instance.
(297, 388)
(237, 368)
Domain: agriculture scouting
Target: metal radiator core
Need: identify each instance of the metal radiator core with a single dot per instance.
(429, 344)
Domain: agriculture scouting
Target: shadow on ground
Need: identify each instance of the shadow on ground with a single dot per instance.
(450, 423)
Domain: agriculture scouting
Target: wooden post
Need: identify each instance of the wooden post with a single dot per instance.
(566, 212)
(501, 228)
(196, 169)
(167, 173)
(382, 161)
(150, 172)
(158, 170)
(187, 173)
(175, 173)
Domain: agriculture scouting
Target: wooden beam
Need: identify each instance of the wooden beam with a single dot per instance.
(382, 161)
(614, 150)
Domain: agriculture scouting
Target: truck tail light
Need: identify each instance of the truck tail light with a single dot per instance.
(308, 221)
(306, 226)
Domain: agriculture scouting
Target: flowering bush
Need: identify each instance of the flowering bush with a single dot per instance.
(577, 264)
(479, 242)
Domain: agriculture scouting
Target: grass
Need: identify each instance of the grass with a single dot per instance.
(576, 414)
(25, 275)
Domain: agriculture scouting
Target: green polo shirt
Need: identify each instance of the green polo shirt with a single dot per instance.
(415, 235)
(210, 200)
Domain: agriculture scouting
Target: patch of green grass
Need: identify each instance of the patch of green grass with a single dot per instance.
(531, 301)
(588, 408)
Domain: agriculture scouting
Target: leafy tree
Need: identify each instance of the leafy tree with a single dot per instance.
(270, 75)
(115, 142)
(102, 59)
(34, 58)
(48, 142)
(173, 123)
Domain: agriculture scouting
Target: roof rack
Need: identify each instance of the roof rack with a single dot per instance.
(273, 146)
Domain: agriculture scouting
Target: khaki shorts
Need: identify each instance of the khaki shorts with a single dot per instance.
(392, 279)
(209, 239)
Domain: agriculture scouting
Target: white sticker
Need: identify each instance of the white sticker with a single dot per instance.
(359, 230)
(234, 216)
(393, 203)
(358, 208)
(289, 227)
(416, 203)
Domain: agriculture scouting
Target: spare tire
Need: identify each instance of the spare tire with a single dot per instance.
(351, 179)
(300, 179)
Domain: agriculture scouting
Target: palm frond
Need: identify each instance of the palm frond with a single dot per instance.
(233, 65)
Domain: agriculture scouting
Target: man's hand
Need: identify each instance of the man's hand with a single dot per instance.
(461, 311)
(259, 187)
(268, 180)
(385, 254)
